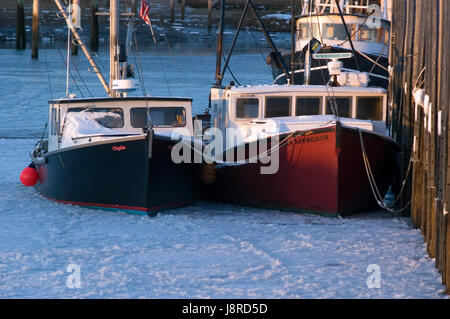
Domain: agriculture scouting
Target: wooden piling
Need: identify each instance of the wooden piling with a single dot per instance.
(172, 11)
(21, 42)
(35, 31)
(94, 25)
(447, 258)
(133, 6)
(210, 5)
(183, 8)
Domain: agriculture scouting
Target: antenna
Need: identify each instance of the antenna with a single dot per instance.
(113, 44)
(68, 53)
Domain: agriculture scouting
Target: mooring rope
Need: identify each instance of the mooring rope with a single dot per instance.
(374, 187)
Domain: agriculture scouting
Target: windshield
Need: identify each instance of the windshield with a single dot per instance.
(159, 117)
(107, 117)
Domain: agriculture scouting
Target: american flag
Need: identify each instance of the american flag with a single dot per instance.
(145, 8)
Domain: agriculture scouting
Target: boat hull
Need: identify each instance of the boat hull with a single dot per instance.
(117, 175)
(320, 171)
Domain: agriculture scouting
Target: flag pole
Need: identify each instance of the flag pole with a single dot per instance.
(151, 29)
(144, 14)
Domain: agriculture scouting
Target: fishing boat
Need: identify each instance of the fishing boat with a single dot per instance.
(319, 149)
(321, 29)
(113, 152)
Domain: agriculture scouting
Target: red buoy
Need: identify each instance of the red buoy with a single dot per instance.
(29, 176)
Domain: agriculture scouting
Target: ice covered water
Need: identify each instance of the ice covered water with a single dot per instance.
(205, 250)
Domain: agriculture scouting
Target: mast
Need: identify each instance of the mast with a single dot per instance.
(83, 47)
(230, 53)
(271, 43)
(348, 34)
(293, 30)
(113, 45)
(220, 44)
(277, 55)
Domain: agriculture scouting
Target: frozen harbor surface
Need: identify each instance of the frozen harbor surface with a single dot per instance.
(203, 251)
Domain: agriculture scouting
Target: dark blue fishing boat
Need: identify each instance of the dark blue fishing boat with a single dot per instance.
(113, 152)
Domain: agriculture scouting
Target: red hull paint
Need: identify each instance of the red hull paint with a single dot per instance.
(135, 209)
(321, 171)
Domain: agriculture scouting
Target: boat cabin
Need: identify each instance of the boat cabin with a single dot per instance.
(329, 30)
(382, 8)
(298, 107)
(78, 121)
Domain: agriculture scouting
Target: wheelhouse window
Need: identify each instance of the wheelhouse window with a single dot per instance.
(343, 106)
(367, 34)
(308, 31)
(333, 31)
(382, 35)
(278, 107)
(159, 116)
(247, 108)
(370, 108)
(308, 106)
(107, 117)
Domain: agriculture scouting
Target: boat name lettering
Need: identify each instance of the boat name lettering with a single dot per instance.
(308, 140)
(119, 148)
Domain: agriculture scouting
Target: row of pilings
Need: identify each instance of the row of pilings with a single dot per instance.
(420, 95)
(94, 8)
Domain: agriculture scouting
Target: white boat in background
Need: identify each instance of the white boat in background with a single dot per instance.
(320, 28)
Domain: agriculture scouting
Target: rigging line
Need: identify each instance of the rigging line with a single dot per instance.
(259, 48)
(48, 74)
(140, 70)
(141, 82)
(356, 31)
(98, 61)
(70, 73)
(375, 63)
(334, 106)
(348, 34)
(75, 64)
(43, 133)
(60, 78)
(177, 71)
(229, 70)
(163, 69)
(160, 59)
(141, 76)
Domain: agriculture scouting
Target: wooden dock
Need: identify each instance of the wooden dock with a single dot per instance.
(420, 96)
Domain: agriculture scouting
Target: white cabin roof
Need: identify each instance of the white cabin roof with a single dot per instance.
(293, 89)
